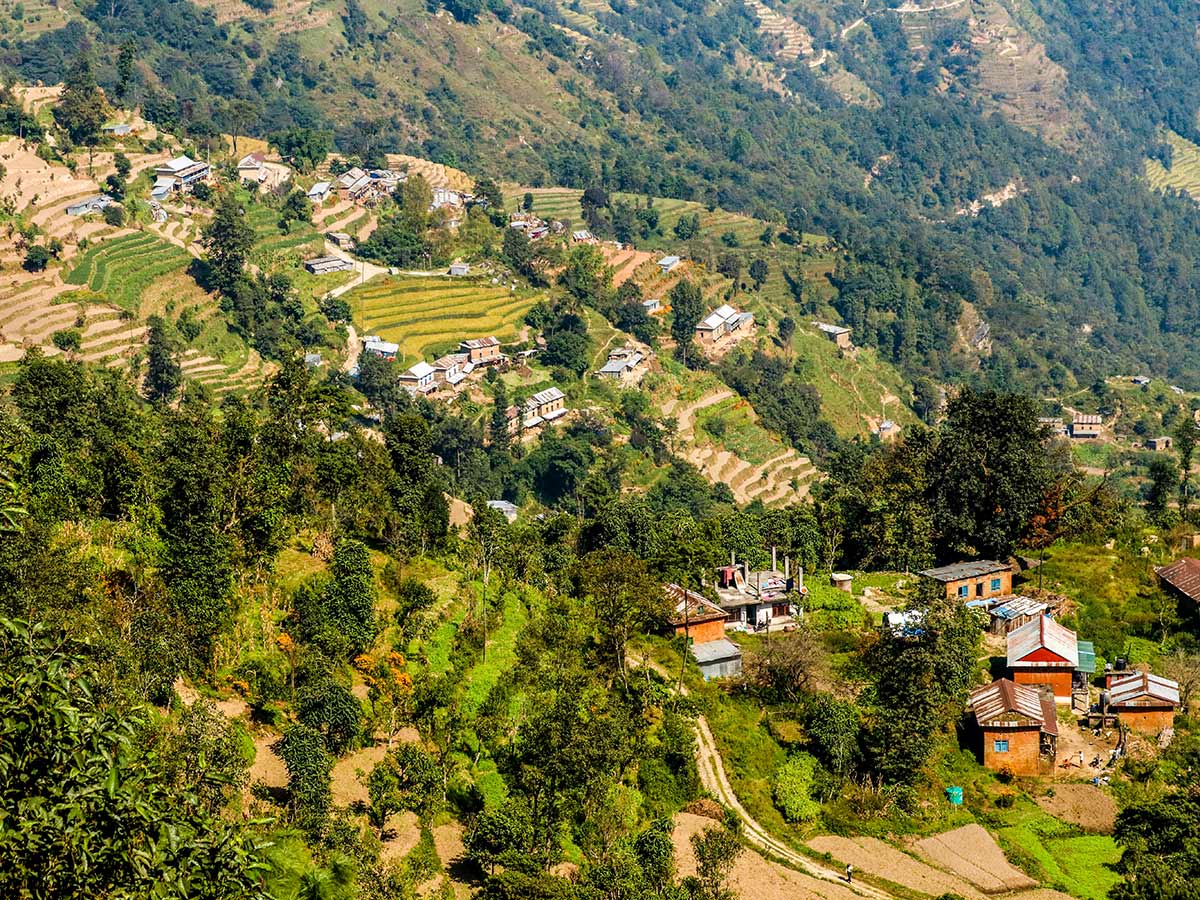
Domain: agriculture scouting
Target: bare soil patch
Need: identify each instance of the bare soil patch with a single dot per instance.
(1086, 805)
(874, 856)
(347, 785)
(973, 853)
(753, 877)
(267, 767)
(401, 833)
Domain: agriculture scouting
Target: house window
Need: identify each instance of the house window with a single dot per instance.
(964, 591)
(995, 584)
(999, 746)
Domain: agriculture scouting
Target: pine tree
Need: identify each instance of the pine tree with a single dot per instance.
(228, 239)
(163, 375)
(82, 109)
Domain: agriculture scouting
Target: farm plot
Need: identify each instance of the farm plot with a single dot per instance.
(426, 316)
(270, 243)
(1184, 174)
(124, 268)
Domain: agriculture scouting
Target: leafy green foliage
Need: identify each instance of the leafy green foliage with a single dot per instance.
(791, 787)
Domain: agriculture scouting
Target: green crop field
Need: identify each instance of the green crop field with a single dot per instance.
(429, 316)
(1184, 174)
(124, 268)
(302, 241)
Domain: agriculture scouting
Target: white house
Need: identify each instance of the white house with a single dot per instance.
(250, 168)
(90, 205)
(460, 268)
(318, 192)
(667, 263)
(323, 265)
(383, 349)
(419, 378)
(179, 174)
(722, 322)
(621, 364)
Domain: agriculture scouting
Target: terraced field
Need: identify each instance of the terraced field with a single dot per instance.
(124, 268)
(1184, 174)
(273, 246)
(428, 316)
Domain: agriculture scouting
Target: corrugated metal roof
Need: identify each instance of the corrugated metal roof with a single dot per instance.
(966, 570)
(1143, 686)
(1184, 576)
(698, 607)
(1084, 419)
(1002, 700)
(1042, 633)
(1018, 605)
(715, 651)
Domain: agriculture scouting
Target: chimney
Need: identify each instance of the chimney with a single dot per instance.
(787, 568)
(774, 563)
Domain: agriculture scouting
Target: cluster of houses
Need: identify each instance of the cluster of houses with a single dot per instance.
(625, 365)
(447, 371)
(370, 186)
(536, 228)
(724, 325)
(179, 176)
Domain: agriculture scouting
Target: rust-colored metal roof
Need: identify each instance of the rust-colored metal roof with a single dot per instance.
(697, 607)
(1184, 576)
(1143, 688)
(1043, 633)
(1007, 703)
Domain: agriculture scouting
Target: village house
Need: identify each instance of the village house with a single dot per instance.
(318, 192)
(418, 379)
(340, 239)
(448, 369)
(1144, 703)
(974, 580)
(1043, 652)
(324, 265)
(512, 418)
(381, 348)
(90, 205)
(652, 305)
(717, 659)
(506, 509)
(544, 406)
(761, 600)
(622, 365)
(119, 129)
(460, 268)
(1183, 578)
(1140, 380)
(1055, 424)
(582, 236)
(178, 175)
(353, 184)
(481, 351)
(1007, 614)
(668, 263)
(694, 616)
(1158, 444)
(1086, 426)
(836, 333)
(250, 168)
(1018, 727)
(723, 322)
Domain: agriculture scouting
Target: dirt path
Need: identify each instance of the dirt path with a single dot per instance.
(353, 349)
(715, 781)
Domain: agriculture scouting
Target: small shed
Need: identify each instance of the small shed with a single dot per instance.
(717, 659)
(505, 508)
(836, 333)
(324, 265)
(695, 616)
(652, 305)
(1010, 613)
(667, 263)
(460, 268)
(120, 129)
(318, 192)
(1159, 444)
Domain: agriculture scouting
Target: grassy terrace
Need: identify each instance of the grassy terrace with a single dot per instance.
(124, 269)
(429, 316)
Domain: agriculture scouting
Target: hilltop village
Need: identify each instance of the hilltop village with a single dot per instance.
(374, 529)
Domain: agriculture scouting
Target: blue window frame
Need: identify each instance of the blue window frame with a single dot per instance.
(999, 746)
(964, 590)
(995, 584)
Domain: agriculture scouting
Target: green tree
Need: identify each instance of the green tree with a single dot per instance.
(623, 599)
(787, 328)
(111, 822)
(527, 202)
(716, 849)
(414, 198)
(81, 110)
(309, 767)
(833, 728)
(759, 271)
(1187, 433)
(407, 778)
(1160, 844)
(586, 276)
(1163, 486)
(687, 308)
(518, 250)
(126, 58)
(499, 835)
(331, 709)
(305, 148)
(229, 238)
(163, 374)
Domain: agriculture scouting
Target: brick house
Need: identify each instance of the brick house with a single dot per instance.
(1085, 426)
(836, 333)
(1145, 703)
(1018, 727)
(481, 351)
(694, 615)
(1183, 577)
(974, 580)
(1042, 652)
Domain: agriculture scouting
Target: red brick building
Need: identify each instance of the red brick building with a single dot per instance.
(695, 615)
(974, 580)
(1018, 727)
(1144, 702)
(1042, 652)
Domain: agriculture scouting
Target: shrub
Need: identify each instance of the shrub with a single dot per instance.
(67, 340)
(114, 215)
(36, 259)
(790, 789)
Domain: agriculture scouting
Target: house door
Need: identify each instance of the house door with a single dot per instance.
(979, 589)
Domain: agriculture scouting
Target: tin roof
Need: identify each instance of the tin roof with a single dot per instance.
(1003, 699)
(1087, 419)
(1043, 633)
(549, 395)
(698, 607)
(715, 651)
(420, 370)
(1016, 606)
(962, 570)
(1143, 686)
(1183, 575)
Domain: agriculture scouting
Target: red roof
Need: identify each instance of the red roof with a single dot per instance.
(1043, 643)
(1004, 704)
(1184, 576)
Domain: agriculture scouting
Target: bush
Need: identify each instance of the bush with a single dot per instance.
(67, 340)
(790, 789)
(114, 215)
(36, 259)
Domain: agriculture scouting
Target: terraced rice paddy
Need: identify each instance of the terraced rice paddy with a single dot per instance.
(1184, 174)
(428, 316)
(272, 244)
(122, 269)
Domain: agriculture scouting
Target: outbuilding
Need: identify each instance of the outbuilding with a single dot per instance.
(1145, 703)
(694, 616)
(668, 263)
(717, 659)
